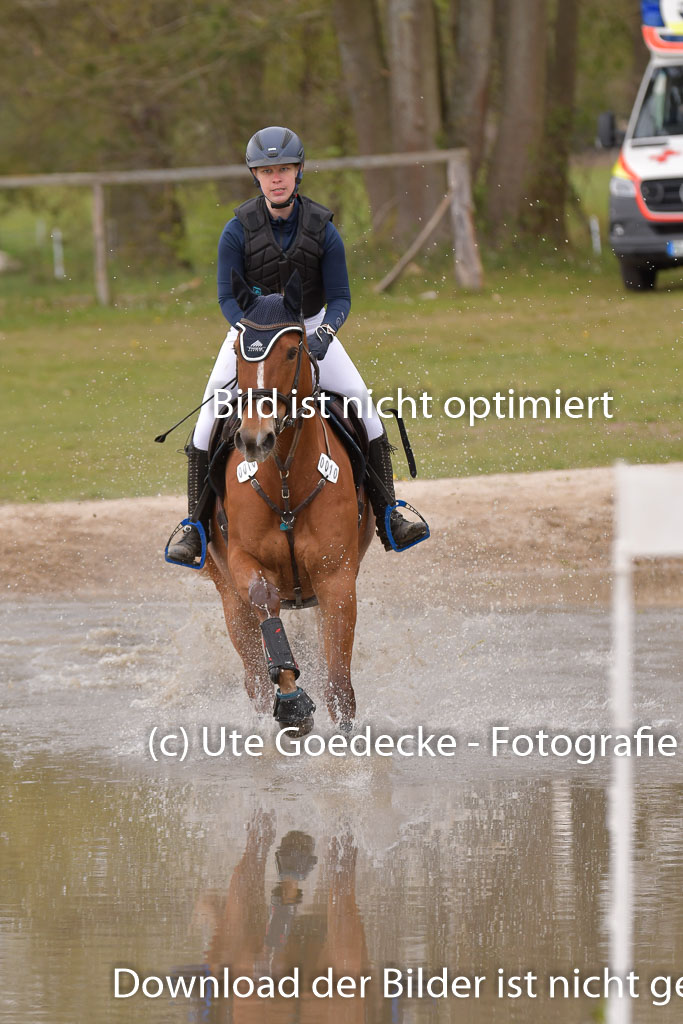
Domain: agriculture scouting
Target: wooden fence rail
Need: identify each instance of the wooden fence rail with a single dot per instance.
(468, 270)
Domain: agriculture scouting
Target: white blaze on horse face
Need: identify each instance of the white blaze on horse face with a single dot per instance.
(256, 433)
(263, 409)
(260, 383)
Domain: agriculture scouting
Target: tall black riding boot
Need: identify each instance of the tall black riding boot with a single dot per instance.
(189, 547)
(381, 494)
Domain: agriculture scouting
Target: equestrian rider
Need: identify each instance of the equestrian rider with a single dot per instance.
(269, 237)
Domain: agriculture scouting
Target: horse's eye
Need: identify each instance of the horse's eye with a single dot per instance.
(292, 353)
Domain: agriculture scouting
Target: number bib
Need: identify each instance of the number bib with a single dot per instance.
(245, 470)
(328, 468)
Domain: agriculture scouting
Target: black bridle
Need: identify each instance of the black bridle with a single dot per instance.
(286, 513)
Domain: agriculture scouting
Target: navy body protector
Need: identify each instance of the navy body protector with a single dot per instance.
(268, 267)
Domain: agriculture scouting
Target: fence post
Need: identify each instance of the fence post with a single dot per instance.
(468, 269)
(100, 245)
(620, 817)
(58, 254)
(647, 523)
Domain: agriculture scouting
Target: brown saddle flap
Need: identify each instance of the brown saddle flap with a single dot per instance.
(351, 431)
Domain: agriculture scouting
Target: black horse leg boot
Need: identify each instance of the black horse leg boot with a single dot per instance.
(189, 547)
(381, 493)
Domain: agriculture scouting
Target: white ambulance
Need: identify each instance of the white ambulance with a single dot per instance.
(646, 188)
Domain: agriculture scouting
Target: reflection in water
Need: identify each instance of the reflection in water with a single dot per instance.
(109, 861)
(296, 934)
(101, 871)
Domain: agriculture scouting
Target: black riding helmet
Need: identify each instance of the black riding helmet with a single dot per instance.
(276, 145)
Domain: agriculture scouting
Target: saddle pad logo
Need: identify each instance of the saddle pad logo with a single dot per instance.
(245, 470)
(328, 468)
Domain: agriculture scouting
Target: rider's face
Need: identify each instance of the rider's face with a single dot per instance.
(277, 182)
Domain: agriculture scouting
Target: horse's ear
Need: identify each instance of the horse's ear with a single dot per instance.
(244, 296)
(294, 296)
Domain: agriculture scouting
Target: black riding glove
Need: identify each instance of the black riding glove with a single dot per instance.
(319, 342)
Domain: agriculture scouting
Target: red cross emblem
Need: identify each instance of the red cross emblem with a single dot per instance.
(663, 157)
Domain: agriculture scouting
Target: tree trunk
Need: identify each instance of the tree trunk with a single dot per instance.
(639, 53)
(416, 114)
(148, 219)
(547, 215)
(149, 226)
(366, 78)
(516, 151)
(472, 30)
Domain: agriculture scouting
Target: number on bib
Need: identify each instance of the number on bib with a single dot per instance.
(245, 470)
(328, 468)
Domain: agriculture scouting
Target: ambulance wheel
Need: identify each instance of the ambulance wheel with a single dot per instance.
(637, 276)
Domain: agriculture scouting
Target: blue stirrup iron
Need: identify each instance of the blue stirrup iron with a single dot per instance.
(202, 536)
(387, 525)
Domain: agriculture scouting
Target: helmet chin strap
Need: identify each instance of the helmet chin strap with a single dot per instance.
(286, 203)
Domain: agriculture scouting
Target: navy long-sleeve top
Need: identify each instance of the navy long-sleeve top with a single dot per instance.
(333, 266)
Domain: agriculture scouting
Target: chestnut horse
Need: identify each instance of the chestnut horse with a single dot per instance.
(296, 530)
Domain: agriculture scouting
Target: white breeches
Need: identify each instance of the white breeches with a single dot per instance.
(337, 373)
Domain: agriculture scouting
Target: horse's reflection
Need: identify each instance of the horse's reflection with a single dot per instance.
(296, 928)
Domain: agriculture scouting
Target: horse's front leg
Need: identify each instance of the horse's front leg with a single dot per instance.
(345, 947)
(244, 632)
(293, 706)
(337, 600)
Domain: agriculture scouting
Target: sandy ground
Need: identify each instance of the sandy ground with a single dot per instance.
(513, 541)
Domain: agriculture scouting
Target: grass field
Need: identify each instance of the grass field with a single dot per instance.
(85, 390)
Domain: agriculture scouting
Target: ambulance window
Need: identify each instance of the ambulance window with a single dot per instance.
(662, 109)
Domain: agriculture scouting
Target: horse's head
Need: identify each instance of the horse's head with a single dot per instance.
(270, 347)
